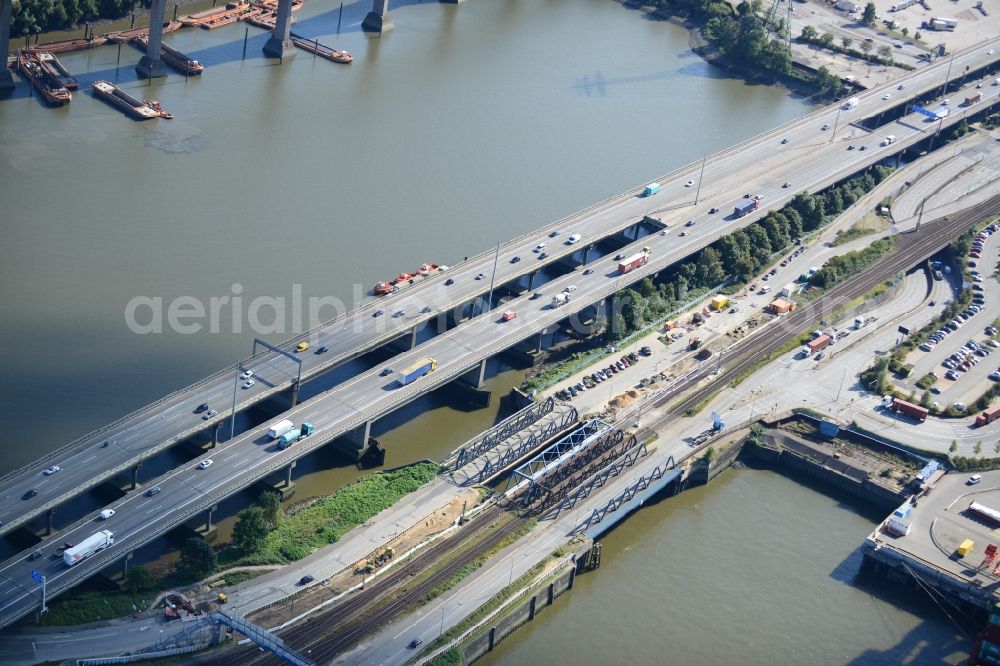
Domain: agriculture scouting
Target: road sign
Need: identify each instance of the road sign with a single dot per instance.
(37, 577)
(903, 330)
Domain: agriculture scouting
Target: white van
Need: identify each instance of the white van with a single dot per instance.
(851, 103)
(890, 138)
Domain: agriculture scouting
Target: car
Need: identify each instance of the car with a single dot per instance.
(542, 255)
(713, 210)
(31, 493)
(398, 313)
(898, 46)
(787, 184)
(205, 464)
(960, 406)
(35, 554)
(974, 479)
(932, 303)
(887, 96)
(426, 309)
(201, 408)
(209, 414)
(153, 491)
(818, 357)
(689, 183)
(554, 233)
(689, 223)
(683, 234)
(107, 513)
(49, 471)
(385, 371)
(302, 346)
(248, 383)
(573, 391)
(378, 313)
(539, 247)
(863, 148)
(306, 579)
(784, 141)
(825, 126)
(747, 195)
(946, 102)
(515, 259)
(247, 374)
(978, 86)
(619, 256)
(570, 288)
(850, 147)
(588, 271)
(480, 276)
(322, 350)
(449, 282)
(416, 642)
(535, 296)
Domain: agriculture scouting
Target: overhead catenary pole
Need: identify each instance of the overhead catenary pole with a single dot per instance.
(236, 385)
(701, 175)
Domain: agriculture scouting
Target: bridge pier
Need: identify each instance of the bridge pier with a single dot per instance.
(135, 475)
(378, 19)
(6, 78)
(279, 45)
(48, 520)
(354, 443)
(295, 392)
(215, 435)
(586, 253)
(477, 376)
(288, 474)
(151, 65)
(531, 280)
(208, 518)
(125, 560)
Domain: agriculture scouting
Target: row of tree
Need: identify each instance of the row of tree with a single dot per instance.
(29, 17)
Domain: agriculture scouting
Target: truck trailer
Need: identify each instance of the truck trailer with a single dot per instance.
(747, 206)
(635, 261)
(92, 544)
(818, 344)
(413, 372)
(280, 428)
(988, 416)
(913, 411)
(974, 99)
(939, 23)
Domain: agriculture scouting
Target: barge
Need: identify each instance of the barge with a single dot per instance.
(50, 88)
(173, 57)
(125, 36)
(70, 45)
(56, 70)
(321, 50)
(121, 100)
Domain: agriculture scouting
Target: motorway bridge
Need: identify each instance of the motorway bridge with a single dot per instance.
(801, 152)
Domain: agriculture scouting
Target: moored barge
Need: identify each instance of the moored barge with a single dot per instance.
(50, 89)
(173, 57)
(118, 98)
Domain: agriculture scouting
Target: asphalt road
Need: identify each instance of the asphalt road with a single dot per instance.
(808, 160)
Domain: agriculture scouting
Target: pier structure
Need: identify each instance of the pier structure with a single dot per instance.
(6, 78)
(378, 19)
(280, 44)
(151, 65)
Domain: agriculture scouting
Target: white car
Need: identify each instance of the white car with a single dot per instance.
(209, 414)
(539, 247)
(107, 513)
(887, 96)
(51, 470)
(248, 383)
(689, 183)
(572, 287)
(205, 464)
(247, 374)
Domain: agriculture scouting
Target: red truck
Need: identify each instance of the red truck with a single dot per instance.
(822, 342)
(635, 261)
(913, 411)
(975, 99)
(988, 416)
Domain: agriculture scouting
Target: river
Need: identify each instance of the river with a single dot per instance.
(465, 125)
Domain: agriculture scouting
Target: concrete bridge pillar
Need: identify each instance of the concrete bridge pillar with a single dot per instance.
(586, 254)
(378, 19)
(48, 520)
(151, 65)
(6, 78)
(215, 434)
(295, 392)
(208, 519)
(279, 45)
(125, 560)
(477, 376)
(538, 345)
(288, 474)
(531, 280)
(135, 475)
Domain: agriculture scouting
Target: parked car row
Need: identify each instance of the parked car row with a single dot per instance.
(598, 376)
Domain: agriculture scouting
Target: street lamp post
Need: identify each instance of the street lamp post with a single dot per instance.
(489, 298)
(232, 418)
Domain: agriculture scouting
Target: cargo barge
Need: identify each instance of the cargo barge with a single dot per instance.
(56, 70)
(125, 36)
(199, 18)
(50, 89)
(230, 16)
(70, 45)
(321, 50)
(173, 57)
(118, 98)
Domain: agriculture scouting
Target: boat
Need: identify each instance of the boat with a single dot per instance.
(321, 50)
(273, 6)
(199, 18)
(70, 45)
(125, 36)
(230, 16)
(56, 70)
(50, 89)
(173, 57)
(118, 98)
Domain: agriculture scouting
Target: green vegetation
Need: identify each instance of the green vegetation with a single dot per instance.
(197, 559)
(328, 519)
(863, 52)
(91, 606)
(452, 657)
(237, 577)
(34, 16)
(853, 233)
(836, 269)
(876, 377)
(926, 381)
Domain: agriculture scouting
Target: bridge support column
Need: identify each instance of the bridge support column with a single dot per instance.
(378, 19)
(531, 281)
(135, 475)
(288, 474)
(279, 45)
(354, 443)
(6, 78)
(413, 338)
(531, 607)
(215, 434)
(295, 392)
(48, 520)
(151, 65)
(477, 376)
(208, 519)
(538, 345)
(125, 560)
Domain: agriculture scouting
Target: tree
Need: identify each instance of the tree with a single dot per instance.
(996, 448)
(270, 504)
(953, 447)
(809, 34)
(917, 36)
(846, 42)
(885, 53)
(826, 39)
(197, 558)
(905, 31)
(866, 48)
(250, 530)
(617, 330)
(978, 448)
(710, 270)
(868, 17)
(138, 578)
(646, 287)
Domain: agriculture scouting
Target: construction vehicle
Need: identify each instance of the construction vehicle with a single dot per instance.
(694, 343)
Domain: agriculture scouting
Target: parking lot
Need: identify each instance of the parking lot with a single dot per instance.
(964, 354)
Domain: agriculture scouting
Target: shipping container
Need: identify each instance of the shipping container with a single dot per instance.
(820, 343)
(417, 370)
(988, 416)
(908, 408)
(719, 301)
(966, 547)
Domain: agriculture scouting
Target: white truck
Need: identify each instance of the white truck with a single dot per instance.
(851, 103)
(891, 138)
(87, 547)
(280, 428)
(560, 299)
